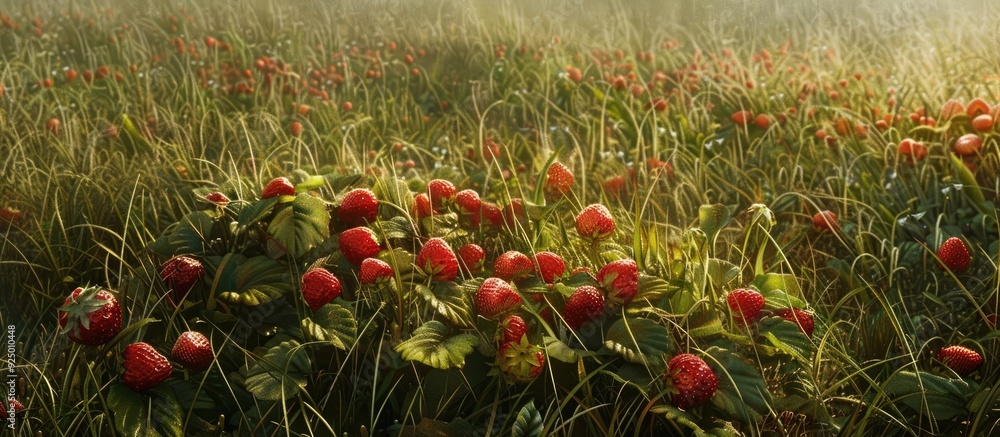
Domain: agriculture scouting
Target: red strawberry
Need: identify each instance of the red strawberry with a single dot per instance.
(359, 243)
(438, 260)
(422, 206)
(359, 207)
(745, 305)
(471, 257)
(374, 270)
(468, 202)
(180, 274)
(549, 266)
(14, 407)
(441, 192)
(595, 223)
(145, 367)
(514, 328)
(10, 214)
(585, 305)
(693, 381)
(521, 361)
(295, 128)
(278, 187)
(193, 351)
(960, 359)
(968, 145)
(217, 198)
(558, 181)
(496, 297)
(319, 287)
(513, 214)
(512, 265)
(90, 316)
(825, 220)
(954, 255)
(799, 317)
(621, 279)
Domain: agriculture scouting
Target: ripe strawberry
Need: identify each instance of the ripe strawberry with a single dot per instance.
(693, 381)
(976, 107)
(15, 405)
(799, 317)
(549, 266)
(217, 198)
(471, 257)
(496, 297)
(278, 187)
(913, 150)
(438, 260)
(10, 214)
(585, 305)
(960, 359)
(180, 274)
(319, 287)
(359, 207)
(741, 117)
(359, 243)
(374, 270)
(621, 279)
(90, 316)
(745, 305)
(53, 126)
(493, 215)
(558, 181)
(441, 192)
(422, 206)
(512, 265)
(521, 361)
(595, 223)
(145, 367)
(954, 255)
(983, 122)
(468, 202)
(514, 214)
(968, 145)
(514, 328)
(825, 220)
(193, 351)
(295, 129)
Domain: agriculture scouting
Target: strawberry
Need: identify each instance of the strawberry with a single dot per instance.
(514, 328)
(278, 187)
(493, 215)
(968, 145)
(359, 243)
(438, 260)
(374, 270)
(468, 202)
(514, 214)
(621, 279)
(496, 297)
(217, 198)
(585, 305)
(441, 193)
(595, 223)
(193, 351)
(549, 266)
(295, 128)
(825, 220)
(11, 406)
(10, 214)
(960, 359)
(422, 206)
(693, 381)
(745, 304)
(319, 287)
(145, 367)
(180, 274)
(471, 257)
(954, 255)
(741, 117)
(976, 107)
(359, 207)
(558, 181)
(799, 317)
(521, 361)
(512, 265)
(90, 316)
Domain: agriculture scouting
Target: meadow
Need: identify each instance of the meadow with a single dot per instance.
(252, 217)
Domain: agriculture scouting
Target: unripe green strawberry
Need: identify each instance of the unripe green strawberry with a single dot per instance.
(495, 298)
(693, 381)
(595, 223)
(145, 367)
(90, 316)
(960, 359)
(278, 187)
(319, 287)
(585, 305)
(438, 260)
(193, 350)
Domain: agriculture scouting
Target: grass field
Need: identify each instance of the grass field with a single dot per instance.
(799, 232)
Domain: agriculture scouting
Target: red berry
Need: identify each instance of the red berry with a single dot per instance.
(621, 279)
(145, 367)
(558, 181)
(514, 328)
(693, 381)
(374, 270)
(595, 223)
(295, 129)
(90, 316)
(520, 361)
(422, 206)
(960, 359)
(468, 202)
(825, 220)
(359, 207)
(514, 214)
(217, 198)
(471, 257)
(745, 305)
(319, 287)
(278, 187)
(801, 318)
(359, 243)
(741, 117)
(193, 351)
(585, 305)
(14, 405)
(441, 193)
(438, 260)
(968, 145)
(512, 265)
(954, 255)
(496, 297)
(549, 266)
(180, 274)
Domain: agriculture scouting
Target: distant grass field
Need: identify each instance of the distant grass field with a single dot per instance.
(715, 133)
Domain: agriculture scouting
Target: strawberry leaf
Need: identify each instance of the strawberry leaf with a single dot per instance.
(787, 337)
(528, 423)
(742, 391)
(252, 213)
(931, 395)
(300, 226)
(332, 323)
(712, 218)
(678, 416)
(640, 341)
(560, 351)
(280, 373)
(450, 301)
(151, 413)
(248, 281)
(431, 346)
(187, 236)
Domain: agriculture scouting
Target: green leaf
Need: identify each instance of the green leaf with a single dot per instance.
(722, 272)
(931, 395)
(310, 183)
(640, 341)
(770, 282)
(252, 213)
(450, 301)
(332, 323)
(712, 218)
(679, 417)
(151, 413)
(301, 225)
(528, 423)
(653, 288)
(787, 337)
(429, 345)
(280, 373)
(397, 227)
(187, 236)
(742, 391)
(969, 185)
(709, 328)
(560, 351)
(249, 281)
(399, 259)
